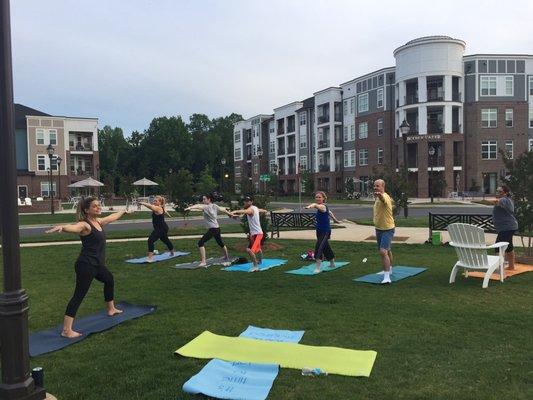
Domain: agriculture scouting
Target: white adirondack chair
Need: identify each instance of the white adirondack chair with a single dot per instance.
(472, 252)
(20, 203)
(27, 201)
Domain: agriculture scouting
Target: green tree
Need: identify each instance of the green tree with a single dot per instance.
(114, 153)
(308, 182)
(206, 183)
(396, 185)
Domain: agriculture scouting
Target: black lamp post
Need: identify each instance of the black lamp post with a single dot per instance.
(405, 128)
(50, 149)
(222, 166)
(276, 170)
(260, 155)
(17, 383)
(58, 161)
(431, 152)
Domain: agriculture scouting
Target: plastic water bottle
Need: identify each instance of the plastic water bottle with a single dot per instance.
(156, 252)
(313, 372)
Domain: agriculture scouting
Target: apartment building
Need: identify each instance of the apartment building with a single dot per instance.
(73, 139)
(462, 112)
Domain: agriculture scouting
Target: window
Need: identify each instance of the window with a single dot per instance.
(489, 117)
(509, 149)
(303, 139)
(345, 107)
(345, 130)
(54, 164)
(509, 85)
(346, 159)
(52, 134)
(272, 148)
(256, 169)
(380, 126)
(41, 163)
(489, 149)
(237, 137)
(40, 136)
(349, 158)
(352, 157)
(531, 117)
(45, 189)
(530, 147)
(531, 85)
(237, 154)
(303, 163)
(272, 166)
(380, 155)
(363, 103)
(488, 86)
(363, 130)
(363, 157)
(352, 105)
(352, 132)
(303, 118)
(509, 117)
(380, 98)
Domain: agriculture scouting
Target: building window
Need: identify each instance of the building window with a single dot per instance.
(352, 105)
(41, 163)
(303, 163)
(345, 107)
(380, 126)
(509, 149)
(352, 157)
(237, 154)
(509, 85)
(531, 85)
(345, 130)
(509, 117)
(531, 117)
(346, 159)
(272, 166)
(530, 147)
(256, 169)
(45, 189)
(380, 155)
(489, 149)
(363, 157)
(489, 117)
(352, 132)
(380, 98)
(363, 130)
(272, 148)
(488, 86)
(52, 136)
(303, 119)
(237, 137)
(40, 136)
(362, 103)
(349, 158)
(303, 139)
(54, 164)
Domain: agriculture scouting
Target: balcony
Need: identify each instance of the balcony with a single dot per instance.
(323, 119)
(323, 168)
(323, 144)
(338, 117)
(80, 147)
(435, 127)
(411, 99)
(87, 171)
(456, 128)
(291, 128)
(436, 94)
(281, 151)
(456, 96)
(338, 141)
(292, 170)
(291, 150)
(248, 157)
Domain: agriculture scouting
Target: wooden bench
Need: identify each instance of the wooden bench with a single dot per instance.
(291, 220)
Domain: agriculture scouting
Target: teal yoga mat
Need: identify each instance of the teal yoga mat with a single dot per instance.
(266, 264)
(398, 273)
(310, 269)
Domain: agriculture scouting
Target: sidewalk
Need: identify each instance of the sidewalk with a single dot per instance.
(351, 232)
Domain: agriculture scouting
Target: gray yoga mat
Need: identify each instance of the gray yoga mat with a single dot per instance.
(210, 262)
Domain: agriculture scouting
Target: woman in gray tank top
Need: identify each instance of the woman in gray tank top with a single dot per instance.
(210, 210)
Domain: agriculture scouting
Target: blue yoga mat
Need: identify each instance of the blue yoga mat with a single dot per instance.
(266, 264)
(398, 273)
(310, 269)
(237, 380)
(51, 340)
(158, 257)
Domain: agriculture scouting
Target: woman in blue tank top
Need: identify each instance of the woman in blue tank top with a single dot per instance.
(323, 231)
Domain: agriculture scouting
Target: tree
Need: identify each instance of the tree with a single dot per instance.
(114, 153)
(206, 183)
(396, 184)
(520, 181)
(350, 187)
(184, 196)
(308, 183)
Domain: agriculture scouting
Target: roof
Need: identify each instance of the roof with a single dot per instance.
(21, 111)
(365, 76)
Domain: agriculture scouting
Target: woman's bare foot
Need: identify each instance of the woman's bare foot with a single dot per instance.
(254, 269)
(202, 264)
(114, 311)
(171, 253)
(70, 334)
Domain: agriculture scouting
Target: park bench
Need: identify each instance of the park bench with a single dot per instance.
(291, 220)
(440, 222)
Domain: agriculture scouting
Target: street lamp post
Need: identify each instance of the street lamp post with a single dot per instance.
(50, 149)
(405, 128)
(58, 161)
(431, 152)
(222, 165)
(260, 156)
(17, 383)
(276, 170)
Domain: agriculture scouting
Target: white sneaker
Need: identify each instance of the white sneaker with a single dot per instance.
(386, 279)
(382, 272)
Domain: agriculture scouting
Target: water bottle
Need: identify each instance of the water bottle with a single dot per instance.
(313, 372)
(156, 252)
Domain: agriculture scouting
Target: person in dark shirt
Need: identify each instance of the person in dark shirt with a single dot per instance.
(505, 222)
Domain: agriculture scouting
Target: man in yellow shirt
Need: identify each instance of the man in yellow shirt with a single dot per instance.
(384, 224)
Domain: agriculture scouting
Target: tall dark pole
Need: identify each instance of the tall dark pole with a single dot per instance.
(17, 382)
(51, 192)
(58, 160)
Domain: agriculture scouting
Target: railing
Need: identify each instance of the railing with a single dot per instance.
(456, 128)
(338, 117)
(322, 119)
(291, 128)
(281, 151)
(323, 144)
(338, 142)
(440, 222)
(80, 147)
(248, 138)
(436, 95)
(281, 129)
(292, 170)
(82, 172)
(457, 161)
(323, 168)
(435, 128)
(291, 150)
(456, 96)
(411, 99)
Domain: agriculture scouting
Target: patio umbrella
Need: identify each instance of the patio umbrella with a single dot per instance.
(86, 183)
(145, 182)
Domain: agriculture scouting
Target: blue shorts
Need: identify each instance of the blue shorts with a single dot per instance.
(384, 238)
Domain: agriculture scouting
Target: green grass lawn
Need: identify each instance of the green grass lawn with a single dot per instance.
(434, 340)
(400, 221)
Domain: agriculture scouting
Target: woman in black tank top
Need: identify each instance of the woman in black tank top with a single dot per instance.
(91, 261)
(160, 231)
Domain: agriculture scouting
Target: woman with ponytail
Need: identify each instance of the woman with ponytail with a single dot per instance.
(160, 226)
(91, 261)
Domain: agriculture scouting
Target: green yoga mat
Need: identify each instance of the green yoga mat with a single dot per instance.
(333, 360)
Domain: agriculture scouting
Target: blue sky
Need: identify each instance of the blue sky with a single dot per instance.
(128, 61)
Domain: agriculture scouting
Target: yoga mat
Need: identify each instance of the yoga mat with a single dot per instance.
(51, 340)
(310, 269)
(157, 257)
(398, 273)
(518, 269)
(266, 264)
(333, 360)
(237, 380)
(209, 261)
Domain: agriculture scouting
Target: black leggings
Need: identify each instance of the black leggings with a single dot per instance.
(85, 273)
(211, 233)
(159, 235)
(322, 247)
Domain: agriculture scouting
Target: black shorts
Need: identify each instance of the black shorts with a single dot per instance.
(506, 236)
